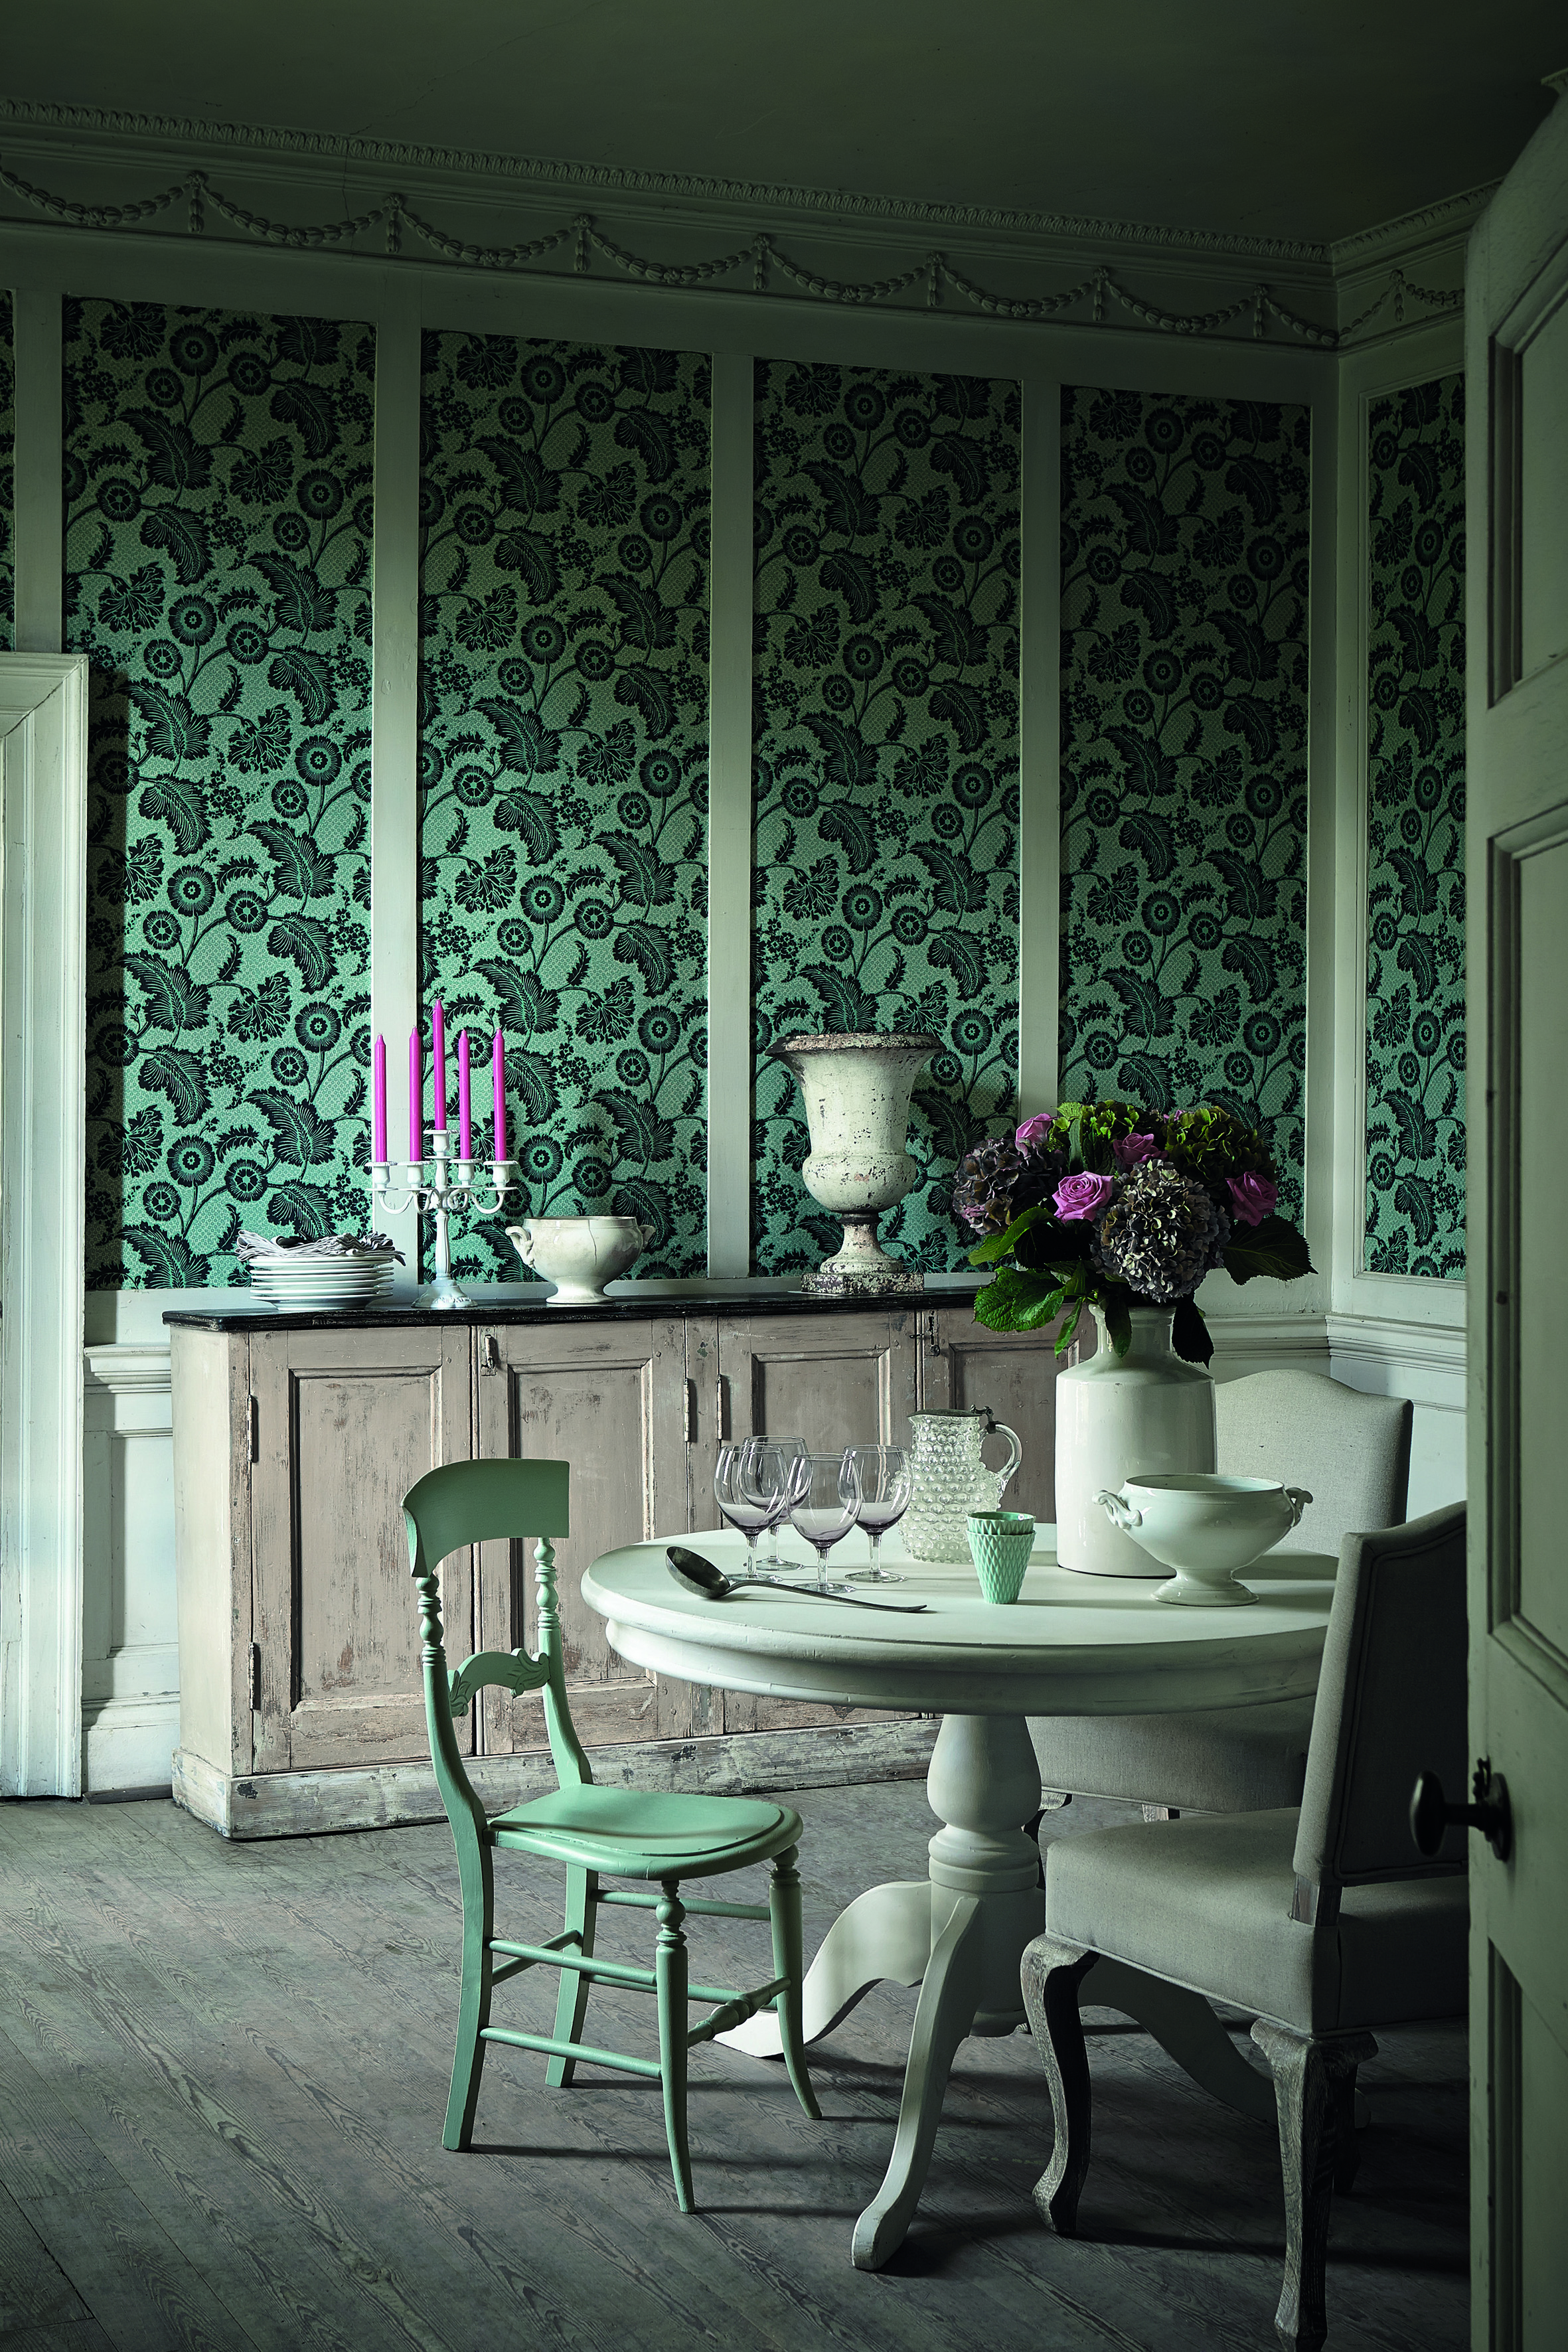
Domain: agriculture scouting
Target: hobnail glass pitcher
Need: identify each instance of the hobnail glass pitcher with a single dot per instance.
(951, 1479)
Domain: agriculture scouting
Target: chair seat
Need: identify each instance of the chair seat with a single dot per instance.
(642, 1833)
(1237, 1759)
(1206, 1904)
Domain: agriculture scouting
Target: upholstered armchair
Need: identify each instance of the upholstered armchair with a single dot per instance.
(1323, 1920)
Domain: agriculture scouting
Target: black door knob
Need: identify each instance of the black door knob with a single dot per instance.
(1431, 1814)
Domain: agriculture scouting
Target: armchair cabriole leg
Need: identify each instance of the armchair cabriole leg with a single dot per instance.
(1314, 2089)
(669, 1978)
(571, 2001)
(789, 1961)
(1050, 1974)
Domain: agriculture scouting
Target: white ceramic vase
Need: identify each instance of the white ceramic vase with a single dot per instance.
(579, 1254)
(1117, 1415)
(856, 1087)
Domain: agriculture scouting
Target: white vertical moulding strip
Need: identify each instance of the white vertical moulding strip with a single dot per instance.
(730, 824)
(1039, 760)
(395, 735)
(40, 509)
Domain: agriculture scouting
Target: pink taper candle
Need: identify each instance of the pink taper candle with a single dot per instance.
(416, 1096)
(497, 1072)
(465, 1123)
(378, 1103)
(438, 1063)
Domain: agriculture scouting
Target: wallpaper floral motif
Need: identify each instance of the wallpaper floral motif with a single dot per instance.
(217, 556)
(7, 477)
(1415, 834)
(1184, 654)
(565, 766)
(886, 808)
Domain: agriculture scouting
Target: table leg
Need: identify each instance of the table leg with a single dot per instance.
(945, 2014)
(882, 1937)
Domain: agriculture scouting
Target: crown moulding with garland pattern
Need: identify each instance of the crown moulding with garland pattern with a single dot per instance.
(88, 169)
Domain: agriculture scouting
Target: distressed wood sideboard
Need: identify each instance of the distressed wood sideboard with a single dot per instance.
(296, 1437)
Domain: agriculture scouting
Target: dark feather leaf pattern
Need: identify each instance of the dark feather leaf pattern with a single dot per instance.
(217, 515)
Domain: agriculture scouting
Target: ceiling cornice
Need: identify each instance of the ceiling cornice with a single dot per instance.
(1450, 216)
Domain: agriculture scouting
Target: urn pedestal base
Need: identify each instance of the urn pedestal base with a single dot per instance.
(860, 1269)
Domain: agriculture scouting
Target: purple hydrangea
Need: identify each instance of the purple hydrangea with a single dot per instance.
(1162, 1234)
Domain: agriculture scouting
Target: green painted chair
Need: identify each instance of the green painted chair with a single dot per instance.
(625, 1834)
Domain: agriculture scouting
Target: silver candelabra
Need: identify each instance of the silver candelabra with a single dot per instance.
(450, 1182)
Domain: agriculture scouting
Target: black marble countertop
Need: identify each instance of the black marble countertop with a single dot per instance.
(251, 1315)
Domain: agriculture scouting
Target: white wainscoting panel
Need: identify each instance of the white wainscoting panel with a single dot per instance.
(130, 1666)
(1425, 1361)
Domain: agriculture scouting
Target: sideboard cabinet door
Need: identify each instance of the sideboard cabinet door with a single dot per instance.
(343, 1426)
(609, 1398)
(962, 1365)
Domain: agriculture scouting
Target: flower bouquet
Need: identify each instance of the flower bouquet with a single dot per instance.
(1110, 1206)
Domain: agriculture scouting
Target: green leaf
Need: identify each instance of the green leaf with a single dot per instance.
(1190, 1334)
(1146, 1011)
(306, 676)
(304, 941)
(174, 730)
(1273, 1248)
(643, 1135)
(963, 707)
(168, 1258)
(311, 408)
(528, 748)
(646, 621)
(648, 691)
(645, 879)
(965, 460)
(184, 539)
(525, 1004)
(1152, 839)
(1015, 1301)
(528, 483)
(299, 1134)
(957, 887)
(847, 574)
(531, 1079)
(305, 1208)
(1117, 1320)
(960, 953)
(649, 948)
(299, 870)
(649, 433)
(172, 1070)
(533, 560)
(179, 805)
(958, 639)
(850, 507)
(845, 1006)
(995, 1245)
(532, 820)
(849, 760)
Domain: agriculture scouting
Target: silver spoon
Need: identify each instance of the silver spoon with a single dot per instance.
(695, 1574)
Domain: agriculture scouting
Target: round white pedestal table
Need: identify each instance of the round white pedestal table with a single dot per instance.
(1069, 1645)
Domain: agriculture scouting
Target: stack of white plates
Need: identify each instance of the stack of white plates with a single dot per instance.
(297, 1285)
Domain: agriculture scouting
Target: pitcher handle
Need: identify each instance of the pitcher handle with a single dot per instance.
(1117, 1507)
(1298, 1497)
(1004, 1476)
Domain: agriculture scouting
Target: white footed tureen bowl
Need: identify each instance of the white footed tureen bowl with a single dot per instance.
(1205, 1527)
(579, 1254)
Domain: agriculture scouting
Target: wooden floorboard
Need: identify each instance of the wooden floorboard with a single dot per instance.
(223, 2069)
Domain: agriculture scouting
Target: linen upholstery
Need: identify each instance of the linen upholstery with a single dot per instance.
(1207, 1903)
(1352, 1452)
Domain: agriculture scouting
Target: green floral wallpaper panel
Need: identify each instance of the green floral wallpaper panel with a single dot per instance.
(1415, 834)
(886, 809)
(7, 477)
(1184, 660)
(565, 498)
(218, 478)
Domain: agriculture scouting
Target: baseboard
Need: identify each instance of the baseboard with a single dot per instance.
(127, 1743)
(308, 1805)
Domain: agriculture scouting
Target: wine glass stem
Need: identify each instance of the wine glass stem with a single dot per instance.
(874, 1537)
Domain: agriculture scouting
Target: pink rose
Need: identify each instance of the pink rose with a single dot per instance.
(1034, 1131)
(1083, 1195)
(1252, 1198)
(1131, 1148)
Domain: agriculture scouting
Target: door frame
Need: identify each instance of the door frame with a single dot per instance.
(43, 1089)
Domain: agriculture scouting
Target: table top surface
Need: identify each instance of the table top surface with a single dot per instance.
(1065, 1630)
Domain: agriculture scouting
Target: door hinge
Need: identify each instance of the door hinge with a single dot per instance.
(721, 1421)
(932, 1334)
(490, 1353)
(256, 1674)
(255, 1430)
(691, 1413)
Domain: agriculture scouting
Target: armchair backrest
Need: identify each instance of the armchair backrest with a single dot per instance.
(1391, 1704)
(480, 1502)
(1350, 1451)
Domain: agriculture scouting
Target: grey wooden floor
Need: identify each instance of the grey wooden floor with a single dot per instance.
(223, 2070)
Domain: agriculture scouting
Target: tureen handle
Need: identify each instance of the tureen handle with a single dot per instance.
(1298, 1497)
(1117, 1507)
(522, 1241)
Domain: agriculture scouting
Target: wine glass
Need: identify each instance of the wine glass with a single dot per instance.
(740, 1506)
(767, 1467)
(824, 1502)
(886, 1482)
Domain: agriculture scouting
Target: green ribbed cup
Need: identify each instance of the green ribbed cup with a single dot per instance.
(1000, 1543)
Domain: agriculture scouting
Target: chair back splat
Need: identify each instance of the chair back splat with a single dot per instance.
(1391, 1704)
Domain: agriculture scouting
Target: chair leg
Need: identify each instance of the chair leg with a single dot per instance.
(571, 2001)
(1050, 1975)
(1314, 2083)
(789, 1961)
(669, 1978)
(474, 2003)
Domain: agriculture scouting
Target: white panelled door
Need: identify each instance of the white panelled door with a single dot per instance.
(1517, 853)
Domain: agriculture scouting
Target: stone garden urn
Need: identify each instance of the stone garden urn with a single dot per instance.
(856, 1087)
